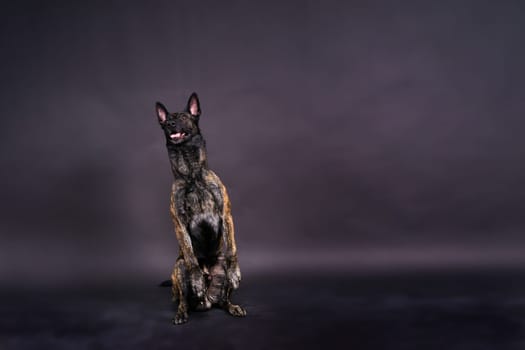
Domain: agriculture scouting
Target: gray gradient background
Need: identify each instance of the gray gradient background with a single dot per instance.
(358, 134)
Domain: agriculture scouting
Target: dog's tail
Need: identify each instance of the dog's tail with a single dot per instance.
(166, 283)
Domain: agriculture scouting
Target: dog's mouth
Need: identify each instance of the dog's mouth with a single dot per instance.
(178, 136)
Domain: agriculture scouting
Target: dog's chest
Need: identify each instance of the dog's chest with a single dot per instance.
(201, 198)
(203, 206)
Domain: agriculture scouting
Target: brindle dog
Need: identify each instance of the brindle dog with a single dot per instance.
(207, 270)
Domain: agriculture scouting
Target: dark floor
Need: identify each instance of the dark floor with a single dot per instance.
(455, 310)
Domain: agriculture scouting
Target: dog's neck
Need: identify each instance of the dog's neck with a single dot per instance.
(188, 160)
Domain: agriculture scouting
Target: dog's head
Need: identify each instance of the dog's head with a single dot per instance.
(180, 127)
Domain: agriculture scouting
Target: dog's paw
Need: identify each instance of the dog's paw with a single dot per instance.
(236, 310)
(180, 318)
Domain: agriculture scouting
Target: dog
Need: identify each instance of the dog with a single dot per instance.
(207, 270)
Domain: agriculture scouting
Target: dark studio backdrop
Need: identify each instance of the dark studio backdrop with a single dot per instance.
(352, 135)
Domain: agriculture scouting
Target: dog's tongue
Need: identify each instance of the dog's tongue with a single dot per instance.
(176, 136)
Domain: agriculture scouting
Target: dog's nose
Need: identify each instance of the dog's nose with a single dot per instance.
(171, 123)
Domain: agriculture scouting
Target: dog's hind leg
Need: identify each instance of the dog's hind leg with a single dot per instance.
(219, 291)
(180, 288)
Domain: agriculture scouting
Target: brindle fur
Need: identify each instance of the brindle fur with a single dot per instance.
(206, 271)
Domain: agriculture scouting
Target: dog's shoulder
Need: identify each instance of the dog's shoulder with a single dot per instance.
(212, 178)
(177, 185)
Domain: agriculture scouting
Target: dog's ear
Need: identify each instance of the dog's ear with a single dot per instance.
(162, 112)
(194, 107)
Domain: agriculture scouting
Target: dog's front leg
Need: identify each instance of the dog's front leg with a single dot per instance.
(180, 291)
(195, 273)
(233, 272)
